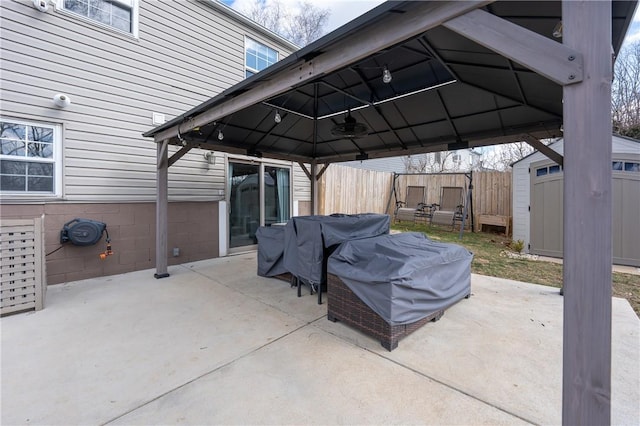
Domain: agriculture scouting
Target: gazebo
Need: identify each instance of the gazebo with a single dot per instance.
(415, 77)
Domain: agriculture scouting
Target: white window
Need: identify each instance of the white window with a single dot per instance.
(30, 157)
(119, 14)
(257, 57)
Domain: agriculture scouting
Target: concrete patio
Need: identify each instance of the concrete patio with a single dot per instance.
(215, 344)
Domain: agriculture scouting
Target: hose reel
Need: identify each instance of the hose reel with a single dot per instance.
(85, 232)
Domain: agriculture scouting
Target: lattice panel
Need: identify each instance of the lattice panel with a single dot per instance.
(22, 277)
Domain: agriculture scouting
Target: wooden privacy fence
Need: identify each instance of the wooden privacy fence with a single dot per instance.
(351, 190)
(22, 278)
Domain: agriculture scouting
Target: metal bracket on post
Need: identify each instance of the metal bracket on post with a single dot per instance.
(322, 170)
(304, 169)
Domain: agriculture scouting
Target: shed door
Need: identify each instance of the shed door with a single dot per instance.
(546, 209)
(626, 210)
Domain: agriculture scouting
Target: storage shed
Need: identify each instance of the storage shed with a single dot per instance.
(538, 197)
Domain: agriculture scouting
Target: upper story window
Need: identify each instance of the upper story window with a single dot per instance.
(119, 14)
(257, 57)
(30, 155)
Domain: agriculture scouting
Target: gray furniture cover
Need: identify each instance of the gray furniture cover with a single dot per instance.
(403, 277)
(271, 251)
(307, 239)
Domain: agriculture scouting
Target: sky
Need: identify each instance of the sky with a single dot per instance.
(343, 11)
(633, 34)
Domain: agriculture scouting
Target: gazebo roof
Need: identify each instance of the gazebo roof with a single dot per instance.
(447, 91)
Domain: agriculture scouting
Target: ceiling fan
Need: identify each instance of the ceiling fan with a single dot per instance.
(350, 128)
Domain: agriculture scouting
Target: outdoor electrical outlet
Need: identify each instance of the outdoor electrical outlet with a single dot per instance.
(176, 252)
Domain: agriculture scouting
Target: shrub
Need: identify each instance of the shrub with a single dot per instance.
(518, 246)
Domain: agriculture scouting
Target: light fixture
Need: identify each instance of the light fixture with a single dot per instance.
(350, 128)
(277, 118)
(41, 5)
(220, 135)
(210, 157)
(386, 75)
(557, 30)
(61, 100)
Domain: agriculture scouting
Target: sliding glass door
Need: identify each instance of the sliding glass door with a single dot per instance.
(276, 194)
(244, 203)
(259, 194)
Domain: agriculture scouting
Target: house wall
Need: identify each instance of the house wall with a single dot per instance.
(521, 184)
(193, 226)
(301, 191)
(186, 52)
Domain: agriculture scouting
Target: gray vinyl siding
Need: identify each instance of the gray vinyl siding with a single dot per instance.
(186, 53)
(301, 184)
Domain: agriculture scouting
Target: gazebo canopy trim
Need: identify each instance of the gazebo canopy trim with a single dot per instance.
(447, 92)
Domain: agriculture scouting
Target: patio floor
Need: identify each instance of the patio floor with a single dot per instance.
(216, 344)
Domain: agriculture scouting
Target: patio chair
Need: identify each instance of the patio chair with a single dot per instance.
(413, 204)
(451, 207)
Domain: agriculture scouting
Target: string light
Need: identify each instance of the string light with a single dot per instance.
(386, 75)
(220, 135)
(277, 118)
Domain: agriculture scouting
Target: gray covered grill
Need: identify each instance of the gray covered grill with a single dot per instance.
(309, 240)
(271, 251)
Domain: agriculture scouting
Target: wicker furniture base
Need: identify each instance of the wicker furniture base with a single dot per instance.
(284, 277)
(343, 305)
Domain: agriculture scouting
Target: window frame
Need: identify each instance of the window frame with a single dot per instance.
(628, 163)
(56, 160)
(252, 70)
(134, 5)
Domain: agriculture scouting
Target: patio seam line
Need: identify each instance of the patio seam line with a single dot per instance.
(455, 389)
(203, 375)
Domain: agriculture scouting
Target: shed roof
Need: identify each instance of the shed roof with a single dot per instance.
(447, 92)
(635, 143)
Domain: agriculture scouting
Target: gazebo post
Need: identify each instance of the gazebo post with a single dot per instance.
(162, 205)
(586, 390)
(314, 187)
(314, 164)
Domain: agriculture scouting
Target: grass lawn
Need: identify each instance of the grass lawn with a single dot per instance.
(490, 259)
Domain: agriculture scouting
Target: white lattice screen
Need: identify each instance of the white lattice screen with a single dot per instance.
(22, 269)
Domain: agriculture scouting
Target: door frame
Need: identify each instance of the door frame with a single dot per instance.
(230, 158)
